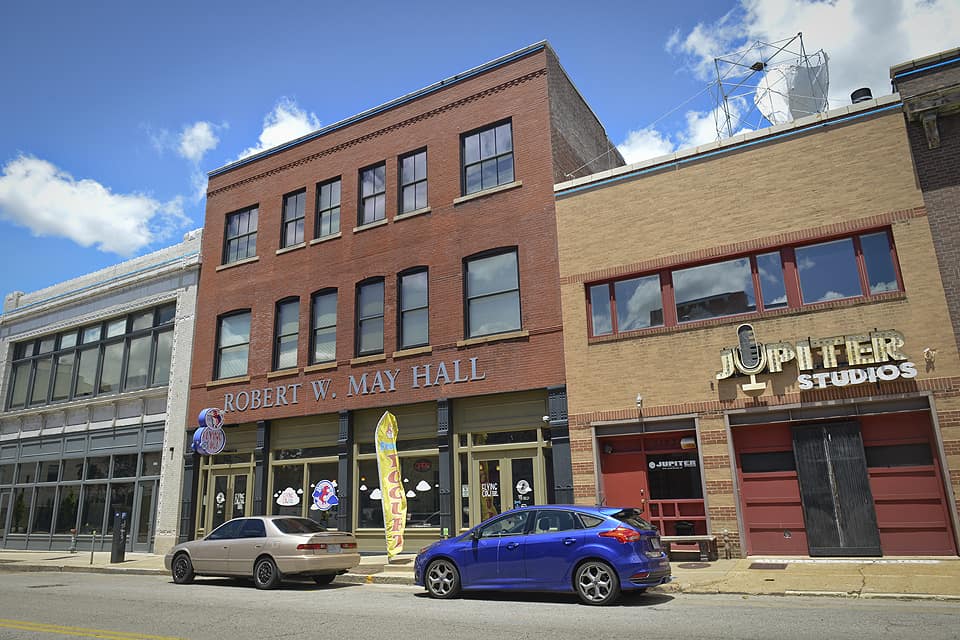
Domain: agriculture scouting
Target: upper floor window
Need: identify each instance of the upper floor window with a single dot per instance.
(492, 293)
(240, 240)
(293, 215)
(414, 314)
(857, 266)
(413, 181)
(370, 317)
(286, 330)
(373, 194)
(233, 345)
(328, 208)
(323, 327)
(121, 354)
(487, 158)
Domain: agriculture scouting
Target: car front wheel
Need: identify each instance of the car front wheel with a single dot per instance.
(182, 569)
(596, 583)
(442, 579)
(265, 574)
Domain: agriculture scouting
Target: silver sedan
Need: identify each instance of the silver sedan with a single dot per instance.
(267, 549)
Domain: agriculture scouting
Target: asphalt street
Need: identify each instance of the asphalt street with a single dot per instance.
(36, 606)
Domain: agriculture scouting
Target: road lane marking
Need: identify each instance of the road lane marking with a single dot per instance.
(42, 627)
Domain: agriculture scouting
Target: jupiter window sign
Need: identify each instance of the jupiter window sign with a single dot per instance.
(380, 381)
(835, 361)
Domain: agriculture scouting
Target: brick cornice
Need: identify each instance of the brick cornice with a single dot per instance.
(749, 246)
(380, 132)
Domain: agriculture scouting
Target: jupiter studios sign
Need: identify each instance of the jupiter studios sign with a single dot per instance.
(370, 383)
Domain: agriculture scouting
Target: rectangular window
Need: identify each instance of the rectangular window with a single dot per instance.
(293, 216)
(41, 380)
(63, 375)
(138, 362)
(43, 509)
(413, 182)
(112, 367)
(324, 327)
(492, 294)
(86, 371)
(714, 290)
(20, 385)
(370, 318)
(240, 239)
(94, 507)
(286, 330)
(373, 194)
(414, 312)
(843, 268)
(328, 208)
(161, 363)
(233, 345)
(487, 158)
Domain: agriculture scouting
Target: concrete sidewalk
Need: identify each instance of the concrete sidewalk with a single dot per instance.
(930, 578)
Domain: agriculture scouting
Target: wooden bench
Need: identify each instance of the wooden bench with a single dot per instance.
(707, 544)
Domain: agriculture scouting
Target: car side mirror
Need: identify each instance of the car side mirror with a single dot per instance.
(475, 534)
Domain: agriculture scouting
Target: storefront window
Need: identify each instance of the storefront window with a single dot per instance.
(121, 499)
(98, 468)
(318, 472)
(150, 463)
(73, 469)
(505, 437)
(21, 510)
(49, 471)
(288, 494)
(674, 476)
(465, 490)
(94, 501)
(421, 482)
(28, 473)
(125, 466)
(6, 473)
(43, 509)
(67, 509)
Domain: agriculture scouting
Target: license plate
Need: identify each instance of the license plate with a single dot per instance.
(333, 548)
(655, 544)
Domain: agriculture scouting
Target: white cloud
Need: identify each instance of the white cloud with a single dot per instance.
(284, 123)
(37, 195)
(196, 140)
(863, 39)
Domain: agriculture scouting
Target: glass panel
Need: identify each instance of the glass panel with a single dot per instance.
(407, 172)
(420, 165)
(287, 353)
(6, 475)
(219, 501)
(879, 260)
(117, 327)
(370, 508)
(472, 179)
(714, 290)
(49, 471)
(495, 314)
(488, 173)
(20, 511)
(288, 318)
(239, 501)
(600, 309)
(325, 516)
(86, 371)
(145, 521)
(464, 491)
(43, 510)
(233, 361)
(73, 469)
(27, 473)
(325, 345)
(121, 499)
(413, 290)
(68, 339)
(421, 198)
(112, 364)
(504, 138)
(47, 344)
(166, 314)
(674, 476)
(471, 148)
(125, 466)
(488, 145)
(548, 472)
(91, 334)
(98, 468)
(770, 269)
(21, 381)
(524, 482)
(505, 437)
(288, 494)
(143, 320)
(306, 452)
(767, 461)
(902, 455)
(4, 509)
(371, 336)
(828, 271)
(63, 376)
(67, 508)
(138, 362)
(235, 329)
(421, 481)
(489, 485)
(639, 303)
(150, 463)
(409, 199)
(414, 329)
(41, 380)
(492, 274)
(161, 367)
(505, 169)
(94, 508)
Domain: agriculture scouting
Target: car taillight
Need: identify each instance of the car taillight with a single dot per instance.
(622, 535)
(310, 547)
(348, 545)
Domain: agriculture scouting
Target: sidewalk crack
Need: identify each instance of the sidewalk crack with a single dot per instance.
(863, 580)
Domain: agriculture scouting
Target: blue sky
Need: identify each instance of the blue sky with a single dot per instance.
(113, 113)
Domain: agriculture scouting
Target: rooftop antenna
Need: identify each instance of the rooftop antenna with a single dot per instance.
(785, 83)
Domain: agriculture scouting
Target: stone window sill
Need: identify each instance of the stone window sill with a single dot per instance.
(227, 381)
(323, 366)
(411, 214)
(283, 373)
(231, 265)
(371, 225)
(415, 351)
(292, 247)
(488, 192)
(332, 236)
(377, 357)
(499, 337)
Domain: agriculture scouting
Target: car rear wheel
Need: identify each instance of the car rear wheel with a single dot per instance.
(327, 579)
(596, 583)
(265, 574)
(182, 570)
(442, 579)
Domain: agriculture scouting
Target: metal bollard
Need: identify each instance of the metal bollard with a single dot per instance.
(73, 540)
(93, 544)
(727, 551)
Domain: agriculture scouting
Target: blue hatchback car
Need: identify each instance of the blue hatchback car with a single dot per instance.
(596, 552)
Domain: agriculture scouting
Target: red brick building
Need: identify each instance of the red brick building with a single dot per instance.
(403, 259)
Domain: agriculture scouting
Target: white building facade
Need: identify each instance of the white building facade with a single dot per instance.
(95, 373)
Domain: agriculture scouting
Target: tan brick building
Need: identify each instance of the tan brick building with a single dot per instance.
(758, 345)
(403, 259)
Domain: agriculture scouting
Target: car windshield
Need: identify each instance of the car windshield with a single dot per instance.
(298, 525)
(632, 518)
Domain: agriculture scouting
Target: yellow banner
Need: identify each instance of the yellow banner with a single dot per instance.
(391, 486)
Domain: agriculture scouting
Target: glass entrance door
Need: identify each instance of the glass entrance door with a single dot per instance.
(143, 518)
(503, 481)
(227, 497)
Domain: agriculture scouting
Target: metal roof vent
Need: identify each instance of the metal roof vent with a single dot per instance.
(861, 95)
